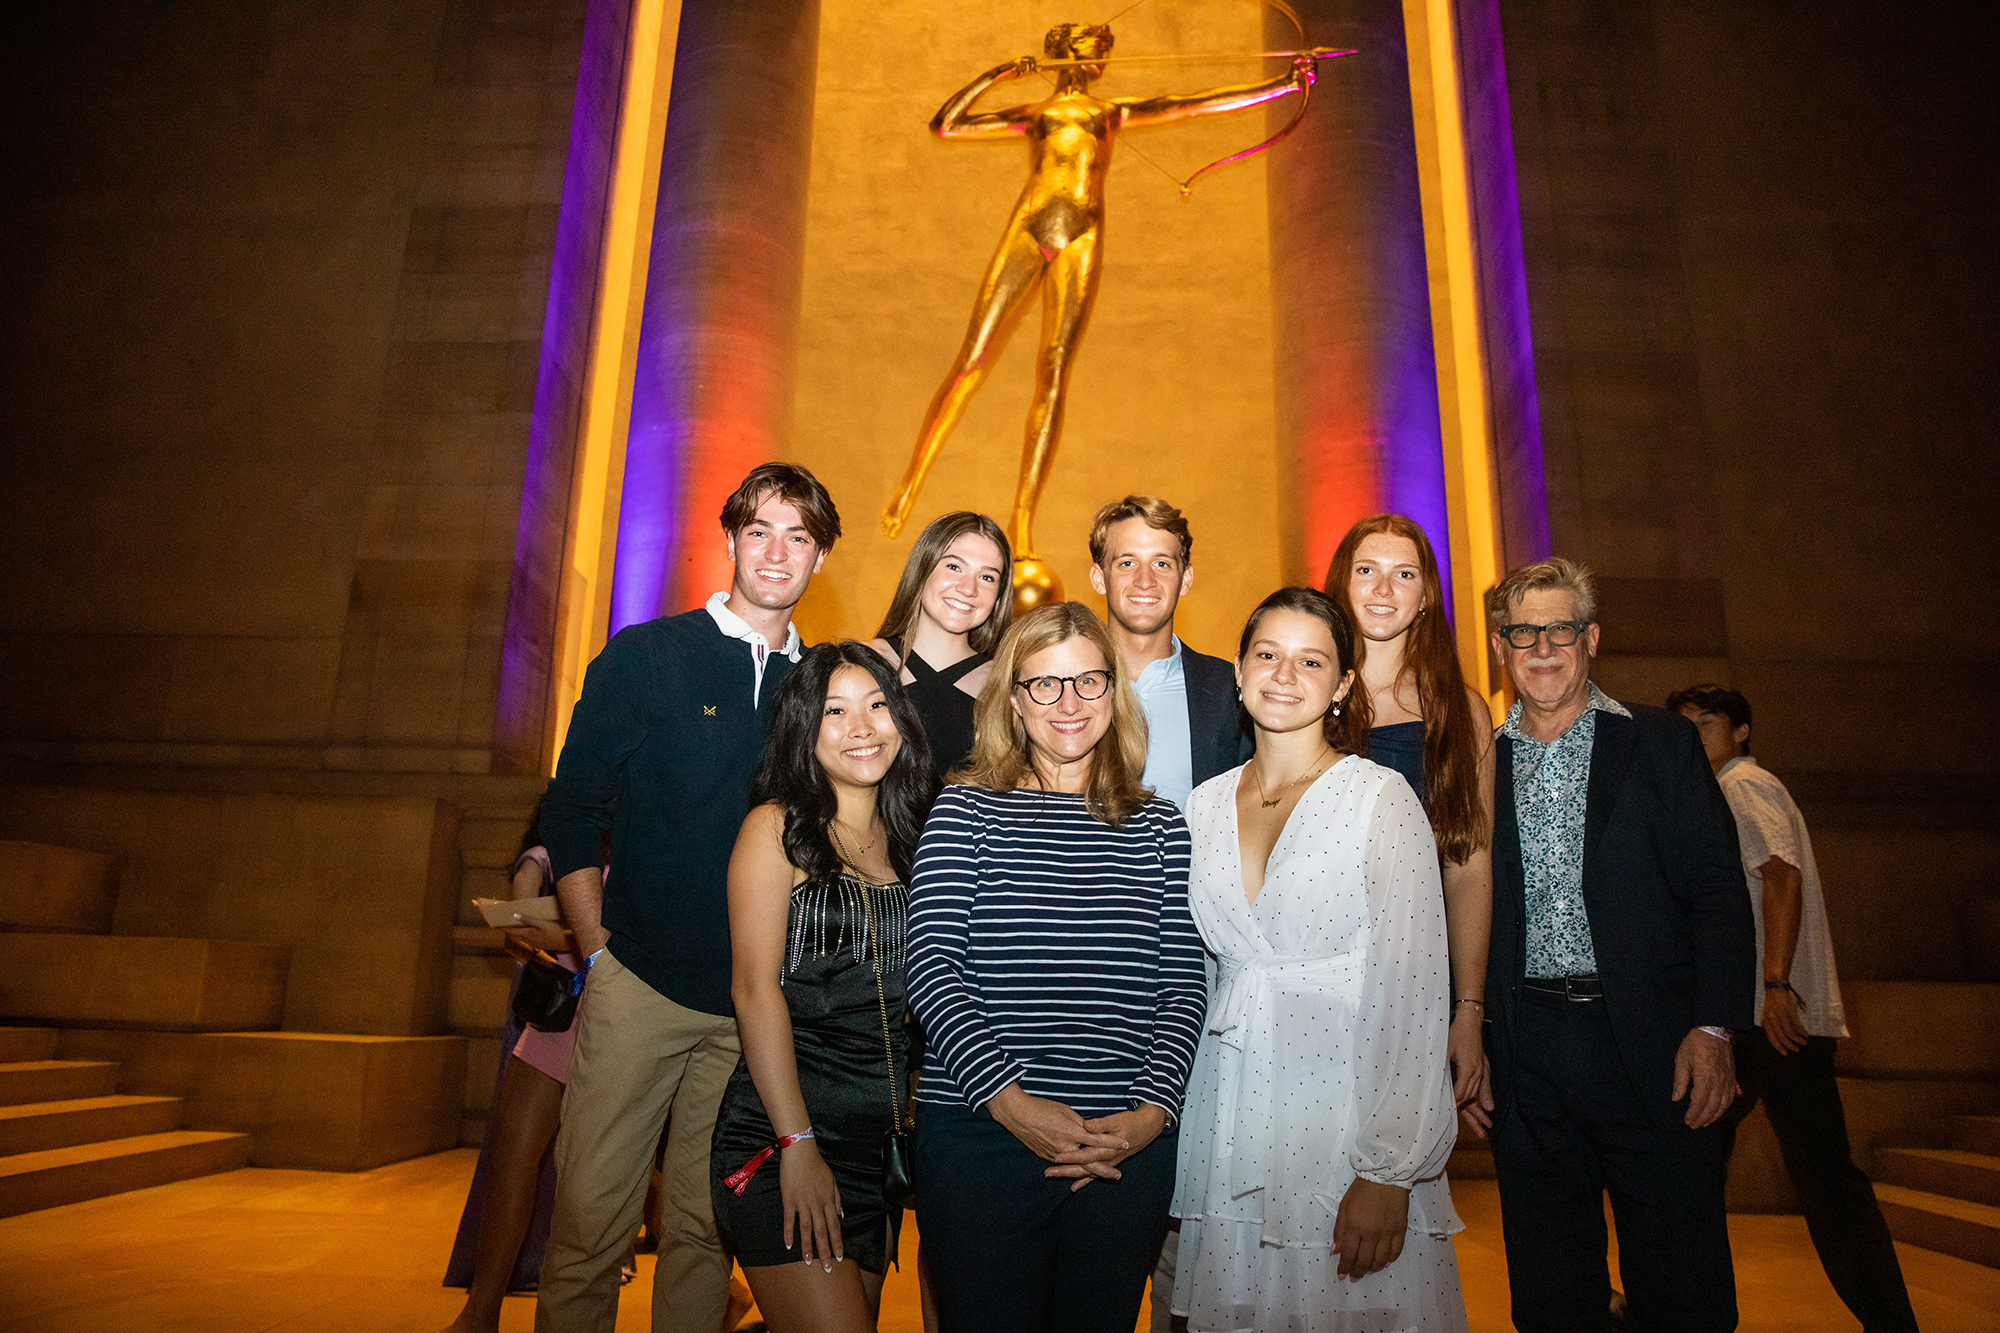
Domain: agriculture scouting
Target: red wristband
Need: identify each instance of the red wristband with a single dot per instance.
(739, 1179)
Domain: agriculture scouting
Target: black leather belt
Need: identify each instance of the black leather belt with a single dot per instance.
(1576, 990)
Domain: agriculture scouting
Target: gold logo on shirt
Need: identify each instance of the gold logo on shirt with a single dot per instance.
(708, 710)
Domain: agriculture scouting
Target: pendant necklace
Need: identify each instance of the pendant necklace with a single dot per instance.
(848, 853)
(1269, 801)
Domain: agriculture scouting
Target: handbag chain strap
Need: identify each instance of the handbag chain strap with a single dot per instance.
(881, 998)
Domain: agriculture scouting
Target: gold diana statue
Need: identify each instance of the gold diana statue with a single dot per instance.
(1053, 239)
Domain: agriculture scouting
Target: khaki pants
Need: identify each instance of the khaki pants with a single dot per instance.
(641, 1061)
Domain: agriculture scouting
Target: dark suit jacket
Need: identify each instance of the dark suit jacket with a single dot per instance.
(1217, 740)
(1663, 886)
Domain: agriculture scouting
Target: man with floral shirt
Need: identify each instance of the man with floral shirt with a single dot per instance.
(1620, 964)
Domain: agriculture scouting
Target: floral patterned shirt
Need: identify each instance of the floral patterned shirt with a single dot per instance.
(1551, 782)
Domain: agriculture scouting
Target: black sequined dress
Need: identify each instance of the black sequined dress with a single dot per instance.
(837, 1019)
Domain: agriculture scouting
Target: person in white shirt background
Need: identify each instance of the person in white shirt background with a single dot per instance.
(1787, 1060)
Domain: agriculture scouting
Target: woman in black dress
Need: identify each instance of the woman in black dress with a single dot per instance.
(817, 911)
(953, 604)
(1415, 713)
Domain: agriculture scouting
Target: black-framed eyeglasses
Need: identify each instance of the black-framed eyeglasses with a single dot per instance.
(1562, 633)
(1046, 690)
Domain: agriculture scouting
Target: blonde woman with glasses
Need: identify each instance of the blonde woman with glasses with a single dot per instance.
(1058, 976)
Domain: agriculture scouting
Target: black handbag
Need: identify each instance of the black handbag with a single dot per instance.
(547, 994)
(898, 1148)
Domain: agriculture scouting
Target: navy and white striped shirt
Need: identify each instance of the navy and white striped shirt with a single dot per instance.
(1049, 949)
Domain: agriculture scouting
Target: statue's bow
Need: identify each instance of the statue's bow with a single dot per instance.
(1305, 100)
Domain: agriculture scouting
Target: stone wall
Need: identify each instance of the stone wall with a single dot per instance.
(1761, 272)
(269, 330)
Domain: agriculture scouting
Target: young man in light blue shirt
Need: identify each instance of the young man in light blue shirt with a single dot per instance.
(1140, 551)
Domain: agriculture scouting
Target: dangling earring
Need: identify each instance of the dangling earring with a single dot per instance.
(1336, 708)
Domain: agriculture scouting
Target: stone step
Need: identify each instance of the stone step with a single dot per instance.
(1969, 1231)
(480, 983)
(1961, 1175)
(481, 940)
(27, 1044)
(143, 982)
(39, 1126)
(1909, 1112)
(310, 1101)
(1976, 1133)
(32, 1181)
(24, 1081)
(56, 888)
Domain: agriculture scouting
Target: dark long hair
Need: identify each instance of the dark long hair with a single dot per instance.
(900, 621)
(1310, 602)
(1451, 744)
(792, 778)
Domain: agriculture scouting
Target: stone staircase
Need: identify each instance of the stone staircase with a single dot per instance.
(1920, 1084)
(141, 1059)
(1947, 1198)
(67, 1135)
(1920, 1079)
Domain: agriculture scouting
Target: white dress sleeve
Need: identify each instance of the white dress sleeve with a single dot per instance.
(1408, 1119)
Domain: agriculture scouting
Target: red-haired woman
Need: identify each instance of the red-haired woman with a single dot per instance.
(1414, 713)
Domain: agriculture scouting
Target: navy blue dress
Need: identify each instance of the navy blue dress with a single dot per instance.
(1400, 746)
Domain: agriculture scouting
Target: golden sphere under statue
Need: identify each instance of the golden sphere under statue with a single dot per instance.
(1035, 584)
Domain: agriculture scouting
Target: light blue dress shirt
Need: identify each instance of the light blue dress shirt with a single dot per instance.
(1162, 691)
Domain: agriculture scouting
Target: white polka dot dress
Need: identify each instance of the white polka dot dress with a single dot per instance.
(1322, 1058)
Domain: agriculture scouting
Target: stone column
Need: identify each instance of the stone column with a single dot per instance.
(713, 392)
(529, 642)
(1357, 406)
(1503, 284)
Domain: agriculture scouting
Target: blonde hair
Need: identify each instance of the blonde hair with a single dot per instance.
(1001, 758)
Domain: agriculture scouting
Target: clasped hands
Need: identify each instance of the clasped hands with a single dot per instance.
(1082, 1150)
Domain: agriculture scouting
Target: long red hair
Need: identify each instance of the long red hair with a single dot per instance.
(1451, 743)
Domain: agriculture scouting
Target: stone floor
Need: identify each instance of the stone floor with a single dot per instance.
(320, 1252)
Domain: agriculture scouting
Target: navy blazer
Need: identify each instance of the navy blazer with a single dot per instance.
(1217, 739)
(1663, 887)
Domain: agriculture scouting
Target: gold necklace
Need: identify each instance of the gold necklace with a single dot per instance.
(1269, 801)
(847, 853)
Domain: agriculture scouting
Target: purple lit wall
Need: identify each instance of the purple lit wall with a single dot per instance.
(529, 651)
(712, 397)
(1503, 284)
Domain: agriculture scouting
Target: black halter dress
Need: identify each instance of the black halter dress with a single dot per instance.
(946, 709)
(831, 961)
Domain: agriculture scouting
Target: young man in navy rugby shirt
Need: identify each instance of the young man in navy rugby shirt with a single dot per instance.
(660, 752)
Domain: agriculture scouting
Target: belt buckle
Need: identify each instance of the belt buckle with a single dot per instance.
(1565, 988)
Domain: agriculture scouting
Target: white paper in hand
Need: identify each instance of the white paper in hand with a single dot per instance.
(502, 911)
